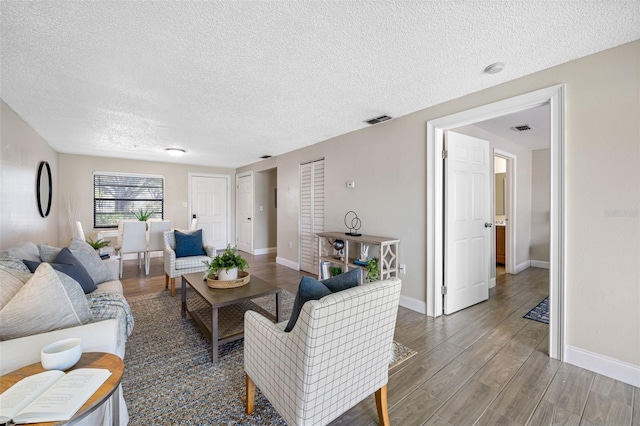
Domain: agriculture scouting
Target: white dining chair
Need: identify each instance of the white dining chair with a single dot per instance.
(79, 232)
(156, 239)
(134, 240)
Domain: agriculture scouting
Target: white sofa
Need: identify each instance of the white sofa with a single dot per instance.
(107, 335)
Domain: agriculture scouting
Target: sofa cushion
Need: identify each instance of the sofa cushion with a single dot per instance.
(189, 244)
(46, 302)
(191, 262)
(26, 250)
(11, 281)
(312, 289)
(68, 264)
(91, 261)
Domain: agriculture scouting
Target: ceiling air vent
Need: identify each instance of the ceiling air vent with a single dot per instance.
(265, 156)
(378, 119)
(521, 128)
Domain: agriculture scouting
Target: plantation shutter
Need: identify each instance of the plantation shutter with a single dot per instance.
(311, 213)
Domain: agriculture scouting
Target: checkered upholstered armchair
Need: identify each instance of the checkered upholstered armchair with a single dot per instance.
(337, 354)
(176, 267)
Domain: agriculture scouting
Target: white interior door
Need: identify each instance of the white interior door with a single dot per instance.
(311, 213)
(244, 213)
(468, 221)
(210, 204)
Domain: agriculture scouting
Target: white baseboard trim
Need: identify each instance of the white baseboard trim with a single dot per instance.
(618, 370)
(132, 256)
(492, 283)
(413, 304)
(267, 250)
(540, 264)
(288, 263)
(524, 265)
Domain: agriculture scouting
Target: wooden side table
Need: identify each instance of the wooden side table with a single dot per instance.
(111, 362)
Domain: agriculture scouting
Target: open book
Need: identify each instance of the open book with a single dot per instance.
(50, 396)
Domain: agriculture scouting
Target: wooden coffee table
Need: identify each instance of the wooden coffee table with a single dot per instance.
(220, 298)
(111, 362)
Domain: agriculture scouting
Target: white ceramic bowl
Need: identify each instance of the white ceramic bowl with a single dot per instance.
(61, 355)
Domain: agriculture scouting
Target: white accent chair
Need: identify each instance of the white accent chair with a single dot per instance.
(156, 239)
(134, 240)
(194, 224)
(337, 354)
(176, 267)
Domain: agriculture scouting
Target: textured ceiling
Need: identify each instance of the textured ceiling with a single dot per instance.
(232, 81)
(538, 119)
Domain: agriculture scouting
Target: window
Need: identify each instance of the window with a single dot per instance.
(121, 196)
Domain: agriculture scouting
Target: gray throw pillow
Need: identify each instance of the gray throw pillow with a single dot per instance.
(68, 264)
(11, 262)
(48, 253)
(91, 261)
(26, 250)
(47, 302)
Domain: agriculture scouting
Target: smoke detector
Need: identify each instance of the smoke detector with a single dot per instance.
(522, 128)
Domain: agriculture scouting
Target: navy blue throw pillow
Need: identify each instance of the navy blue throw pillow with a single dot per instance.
(311, 289)
(68, 264)
(189, 244)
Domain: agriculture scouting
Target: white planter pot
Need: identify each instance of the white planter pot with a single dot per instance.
(228, 275)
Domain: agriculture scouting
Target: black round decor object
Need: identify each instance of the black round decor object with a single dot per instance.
(44, 189)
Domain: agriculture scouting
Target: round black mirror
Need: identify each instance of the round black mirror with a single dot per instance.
(44, 189)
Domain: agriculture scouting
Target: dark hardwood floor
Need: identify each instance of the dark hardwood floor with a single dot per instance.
(485, 365)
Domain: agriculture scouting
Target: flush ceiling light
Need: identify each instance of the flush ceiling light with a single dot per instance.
(494, 68)
(175, 152)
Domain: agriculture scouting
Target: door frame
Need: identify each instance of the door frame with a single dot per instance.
(227, 178)
(554, 96)
(510, 211)
(238, 177)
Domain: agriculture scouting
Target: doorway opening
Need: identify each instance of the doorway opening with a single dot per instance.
(554, 97)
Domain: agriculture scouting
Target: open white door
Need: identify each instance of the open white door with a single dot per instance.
(244, 213)
(210, 204)
(468, 222)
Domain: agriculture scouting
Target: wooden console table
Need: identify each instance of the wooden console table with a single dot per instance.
(111, 362)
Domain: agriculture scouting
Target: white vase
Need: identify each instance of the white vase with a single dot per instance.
(228, 274)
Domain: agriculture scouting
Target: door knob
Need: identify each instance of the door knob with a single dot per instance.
(488, 225)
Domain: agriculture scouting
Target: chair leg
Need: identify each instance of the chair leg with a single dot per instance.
(381, 405)
(166, 281)
(146, 263)
(251, 393)
(120, 266)
(173, 287)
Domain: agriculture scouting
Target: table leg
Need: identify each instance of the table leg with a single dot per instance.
(278, 306)
(115, 407)
(184, 298)
(214, 335)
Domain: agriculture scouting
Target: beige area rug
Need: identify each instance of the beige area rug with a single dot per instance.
(169, 377)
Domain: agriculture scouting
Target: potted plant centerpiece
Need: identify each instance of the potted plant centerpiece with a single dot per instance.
(225, 266)
(143, 215)
(97, 245)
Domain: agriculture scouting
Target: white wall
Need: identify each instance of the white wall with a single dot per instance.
(22, 150)
(540, 207)
(388, 163)
(76, 184)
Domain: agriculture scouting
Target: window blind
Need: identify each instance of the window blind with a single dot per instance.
(117, 197)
